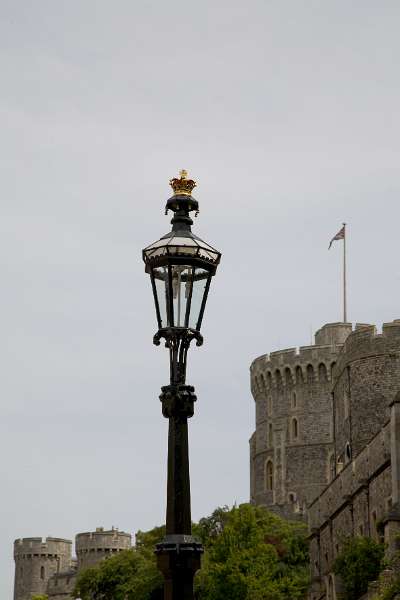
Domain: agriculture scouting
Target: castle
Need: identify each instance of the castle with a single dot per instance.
(327, 443)
(46, 566)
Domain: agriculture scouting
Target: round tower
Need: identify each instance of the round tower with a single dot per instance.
(93, 546)
(292, 449)
(367, 378)
(36, 560)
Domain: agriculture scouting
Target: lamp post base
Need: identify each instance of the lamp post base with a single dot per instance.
(178, 558)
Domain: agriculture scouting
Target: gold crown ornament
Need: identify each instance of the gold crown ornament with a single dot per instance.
(182, 186)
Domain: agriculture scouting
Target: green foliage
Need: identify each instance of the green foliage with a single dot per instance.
(40, 597)
(129, 575)
(250, 554)
(360, 561)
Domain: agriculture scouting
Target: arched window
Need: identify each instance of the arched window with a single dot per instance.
(332, 370)
(322, 373)
(347, 454)
(270, 435)
(310, 374)
(346, 404)
(295, 429)
(264, 387)
(292, 497)
(42, 573)
(269, 379)
(269, 475)
(278, 377)
(288, 376)
(331, 588)
(294, 400)
(299, 375)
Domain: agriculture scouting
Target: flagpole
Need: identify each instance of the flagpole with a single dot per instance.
(344, 276)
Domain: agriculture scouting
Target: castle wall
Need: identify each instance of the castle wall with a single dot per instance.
(36, 560)
(294, 423)
(61, 585)
(356, 502)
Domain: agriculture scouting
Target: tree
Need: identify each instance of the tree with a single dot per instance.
(40, 597)
(250, 554)
(128, 575)
(359, 562)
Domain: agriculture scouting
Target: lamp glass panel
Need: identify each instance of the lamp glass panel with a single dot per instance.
(162, 289)
(182, 277)
(199, 286)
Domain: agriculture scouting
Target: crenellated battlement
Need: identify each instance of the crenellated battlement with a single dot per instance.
(293, 365)
(365, 342)
(93, 545)
(37, 546)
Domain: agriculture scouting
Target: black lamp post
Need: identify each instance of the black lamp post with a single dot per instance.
(180, 266)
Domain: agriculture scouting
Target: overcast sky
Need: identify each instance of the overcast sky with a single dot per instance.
(287, 115)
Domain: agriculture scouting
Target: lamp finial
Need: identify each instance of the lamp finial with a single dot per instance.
(182, 186)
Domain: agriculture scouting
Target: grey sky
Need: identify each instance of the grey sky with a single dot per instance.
(287, 114)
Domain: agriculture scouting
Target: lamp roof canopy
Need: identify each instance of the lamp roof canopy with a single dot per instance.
(180, 243)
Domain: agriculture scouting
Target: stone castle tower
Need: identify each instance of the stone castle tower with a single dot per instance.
(93, 546)
(327, 441)
(292, 448)
(47, 566)
(36, 561)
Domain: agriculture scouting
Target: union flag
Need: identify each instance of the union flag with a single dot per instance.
(339, 236)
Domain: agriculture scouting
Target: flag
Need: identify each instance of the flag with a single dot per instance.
(339, 236)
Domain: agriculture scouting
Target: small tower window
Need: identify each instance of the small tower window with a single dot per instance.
(347, 455)
(295, 429)
(346, 402)
(294, 400)
(42, 573)
(331, 467)
(270, 435)
(269, 475)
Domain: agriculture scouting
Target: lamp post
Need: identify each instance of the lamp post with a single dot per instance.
(180, 266)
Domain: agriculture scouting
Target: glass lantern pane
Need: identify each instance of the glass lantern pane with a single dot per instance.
(162, 290)
(199, 286)
(182, 277)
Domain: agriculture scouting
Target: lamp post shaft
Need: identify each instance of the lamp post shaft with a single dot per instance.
(178, 487)
(178, 555)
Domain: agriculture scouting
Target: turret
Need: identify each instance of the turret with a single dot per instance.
(293, 445)
(93, 546)
(36, 560)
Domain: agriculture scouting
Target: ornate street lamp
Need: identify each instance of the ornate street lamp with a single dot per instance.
(180, 266)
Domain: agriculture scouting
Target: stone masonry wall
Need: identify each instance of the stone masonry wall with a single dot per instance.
(354, 503)
(367, 376)
(294, 423)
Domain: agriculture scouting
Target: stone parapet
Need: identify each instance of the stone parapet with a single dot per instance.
(364, 342)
